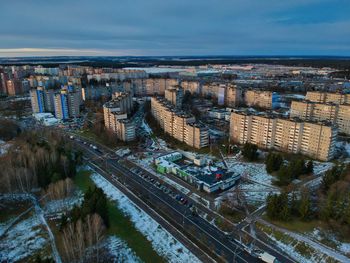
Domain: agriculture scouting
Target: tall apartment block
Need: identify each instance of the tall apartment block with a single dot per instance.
(150, 86)
(191, 86)
(260, 98)
(334, 113)
(67, 103)
(14, 87)
(115, 114)
(328, 97)
(316, 140)
(178, 124)
(42, 100)
(174, 95)
(233, 96)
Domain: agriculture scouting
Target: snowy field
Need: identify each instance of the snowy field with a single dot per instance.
(22, 240)
(256, 183)
(162, 241)
(120, 251)
(321, 235)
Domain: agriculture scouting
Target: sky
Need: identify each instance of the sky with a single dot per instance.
(174, 27)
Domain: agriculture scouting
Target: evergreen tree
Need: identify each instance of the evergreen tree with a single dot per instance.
(304, 205)
(250, 151)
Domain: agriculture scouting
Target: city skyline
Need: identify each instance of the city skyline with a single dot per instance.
(156, 28)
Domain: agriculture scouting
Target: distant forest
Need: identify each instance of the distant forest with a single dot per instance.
(342, 63)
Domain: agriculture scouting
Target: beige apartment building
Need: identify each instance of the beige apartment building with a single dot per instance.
(328, 97)
(191, 86)
(316, 140)
(233, 96)
(259, 98)
(178, 124)
(334, 113)
(115, 113)
(196, 135)
(174, 95)
(67, 103)
(149, 86)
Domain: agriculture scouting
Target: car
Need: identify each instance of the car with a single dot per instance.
(178, 197)
(184, 202)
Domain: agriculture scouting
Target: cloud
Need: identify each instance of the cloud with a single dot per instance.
(176, 27)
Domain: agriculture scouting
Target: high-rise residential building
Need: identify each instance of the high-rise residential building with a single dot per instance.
(42, 100)
(316, 140)
(338, 114)
(67, 103)
(260, 98)
(116, 116)
(14, 87)
(328, 97)
(233, 96)
(196, 135)
(191, 86)
(178, 124)
(174, 95)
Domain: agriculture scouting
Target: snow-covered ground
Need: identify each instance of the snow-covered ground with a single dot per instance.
(55, 208)
(22, 240)
(321, 235)
(162, 241)
(120, 251)
(4, 146)
(256, 183)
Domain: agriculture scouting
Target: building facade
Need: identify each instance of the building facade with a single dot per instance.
(174, 95)
(259, 98)
(338, 114)
(67, 103)
(42, 100)
(316, 140)
(178, 124)
(328, 97)
(115, 114)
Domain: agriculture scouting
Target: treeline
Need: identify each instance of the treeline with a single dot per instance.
(330, 203)
(283, 207)
(37, 159)
(84, 227)
(250, 152)
(8, 130)
(287, 172)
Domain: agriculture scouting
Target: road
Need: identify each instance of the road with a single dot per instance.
(197, 229)
(205, 236)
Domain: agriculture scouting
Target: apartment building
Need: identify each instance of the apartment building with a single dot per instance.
(115, 113)
(196, 135)
(67, 103)
(150, 86)
(328, 97)
(178, 124)
(316, 140)
(191, 86)
(42, 100)
(338, 114)
(174, 95)
(259, 98)
(233, 96)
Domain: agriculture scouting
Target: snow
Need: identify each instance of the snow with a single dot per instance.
(25, 238)
(56, 207)
(256, 183)
(162, 241)
(120, 251)
(330, 237)
(4, 147)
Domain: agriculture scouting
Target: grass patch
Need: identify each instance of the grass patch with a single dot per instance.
(121, 226)
(297, 225)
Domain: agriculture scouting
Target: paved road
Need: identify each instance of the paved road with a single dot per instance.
(202, 233)
(178, 215)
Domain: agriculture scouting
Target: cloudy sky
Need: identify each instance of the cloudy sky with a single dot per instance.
(174, 27)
